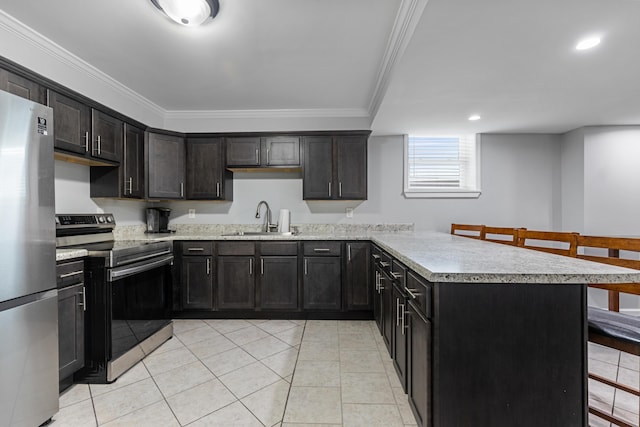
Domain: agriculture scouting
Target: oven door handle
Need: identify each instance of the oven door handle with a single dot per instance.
(153, 255)
(122, 272)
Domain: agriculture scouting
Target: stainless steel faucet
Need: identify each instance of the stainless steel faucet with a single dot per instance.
(267, 220)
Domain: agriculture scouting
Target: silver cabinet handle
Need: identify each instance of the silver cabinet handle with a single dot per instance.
(340, 189)
(86, 141)
(257, 156)
(262, 266)
(329, 188)
(411, 292)
(381, 287)
(99, 145)
(349, 252)
(208, 266)
(404, 326)
(398, 311)
(376, 256)
(384, 264)
(306, 267)
(73, 273)
(217, 189)
(268, 153)
(250, 266)
(195, 249)
(396, 275)
(321, 250)
(130, 185)
(83, 303)
(182, 189)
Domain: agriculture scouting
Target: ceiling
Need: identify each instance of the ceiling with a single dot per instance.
(408, 67)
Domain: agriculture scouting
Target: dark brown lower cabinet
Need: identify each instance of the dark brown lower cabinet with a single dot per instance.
(197, 282)
(70, 329)
(377, 297)
(236, 282)
(322, 283)
(279, 282)
(359, 292)
(399, 341)
(386, 296)
(419, 365)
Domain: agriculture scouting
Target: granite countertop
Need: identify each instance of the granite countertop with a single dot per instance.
(65, 254)
(441, 257)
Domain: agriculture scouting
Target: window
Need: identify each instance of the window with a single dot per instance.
(441, 166)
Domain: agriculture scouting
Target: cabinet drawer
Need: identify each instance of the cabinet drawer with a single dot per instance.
(69, 273)
(385, 261)
(398, 272)
(197, 248)
(279, 248)
(322, 248)
(236, 248)
(420, 292)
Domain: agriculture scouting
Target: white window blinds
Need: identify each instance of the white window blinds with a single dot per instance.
(441, 166)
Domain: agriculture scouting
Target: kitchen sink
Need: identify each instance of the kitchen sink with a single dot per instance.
(259, 233)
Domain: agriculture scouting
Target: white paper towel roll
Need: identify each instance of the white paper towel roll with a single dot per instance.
(284, 221)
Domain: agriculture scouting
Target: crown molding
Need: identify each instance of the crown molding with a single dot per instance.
(407, 19)
(267, 114)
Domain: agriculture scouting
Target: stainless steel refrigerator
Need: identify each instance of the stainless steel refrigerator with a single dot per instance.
(28, 295)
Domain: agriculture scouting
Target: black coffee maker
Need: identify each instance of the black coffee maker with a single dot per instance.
(158, 220)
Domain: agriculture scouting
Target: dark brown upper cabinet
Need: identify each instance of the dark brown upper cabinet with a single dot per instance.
(107, 136)
(165, 166)
(335, 167)
(207, 177)
(263, 152)
(126, 180)
(23, 87)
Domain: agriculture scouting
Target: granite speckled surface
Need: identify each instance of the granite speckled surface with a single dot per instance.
(65, 254)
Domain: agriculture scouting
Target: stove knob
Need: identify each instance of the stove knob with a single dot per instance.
(101, 219)
(109, 219)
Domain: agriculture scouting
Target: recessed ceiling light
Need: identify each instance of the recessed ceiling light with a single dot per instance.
(588, 43)
(474, 117)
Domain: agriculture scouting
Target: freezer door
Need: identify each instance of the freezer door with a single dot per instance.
(27, 241)
(29, 360)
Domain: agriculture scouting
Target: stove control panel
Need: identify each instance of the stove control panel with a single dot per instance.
(64, 221)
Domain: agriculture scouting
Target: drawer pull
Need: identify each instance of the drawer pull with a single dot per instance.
(321, 250)
(396, 275)
(384, 264)
(195, 249)
(375, 256)
(413, 293)
(73, 273)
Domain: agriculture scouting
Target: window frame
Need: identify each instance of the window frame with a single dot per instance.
(442, 192)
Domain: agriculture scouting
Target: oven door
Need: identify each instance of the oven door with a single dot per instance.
(140, 304)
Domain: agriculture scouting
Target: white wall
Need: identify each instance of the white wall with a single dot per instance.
(520, 180)
(572, 169)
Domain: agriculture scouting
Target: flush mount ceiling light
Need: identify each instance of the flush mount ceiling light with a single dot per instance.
(588, 43)
(474, 117)
(190, 13)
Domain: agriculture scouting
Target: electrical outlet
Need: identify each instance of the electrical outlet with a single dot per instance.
(192, 213)
(349, 212)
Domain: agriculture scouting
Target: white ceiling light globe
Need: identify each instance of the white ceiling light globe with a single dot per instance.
(190, 13)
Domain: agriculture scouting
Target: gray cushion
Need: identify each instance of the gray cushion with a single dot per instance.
(615, 325)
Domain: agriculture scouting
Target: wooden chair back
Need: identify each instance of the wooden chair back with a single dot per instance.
(506, 235)
(531, 239)
(473, 231)
(608, 250)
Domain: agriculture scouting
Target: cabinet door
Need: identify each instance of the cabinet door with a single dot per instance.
(399, 342)
(351, 158)
(419, 366)
(197, 283)
(318, 168)
(132, 166)
(204, 168)
(377, 298)
(279, 283)
(236, 289)
(107, 134)
(20, 86)
(243, 151)
(282, 151)
(386, 289)
(165, 166)
(322, 283)
(70, 329)
(358, 277)
(72, 123)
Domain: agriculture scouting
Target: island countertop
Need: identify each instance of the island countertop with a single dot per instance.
(442, 257)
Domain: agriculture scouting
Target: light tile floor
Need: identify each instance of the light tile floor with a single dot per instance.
(251, 373)
(281, 373)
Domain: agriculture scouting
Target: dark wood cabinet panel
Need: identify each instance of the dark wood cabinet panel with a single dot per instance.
(279, 283)
(419, 366)
(70, 329)
(399, 339)
(133, 162)
(236, 282)
(165, 165)
(107, 135)
(351, 163)
(243, 151)
(318, 168)
(281, 151)
(20, 86)
(72, 124)
(359, 292)
(386, 291)
(207, 177)
(197, 282)
(377, 297)
(322, 283)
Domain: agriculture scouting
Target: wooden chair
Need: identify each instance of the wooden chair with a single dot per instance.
(506, 235)
(532, 239)
(468, 230)
(609, 327)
